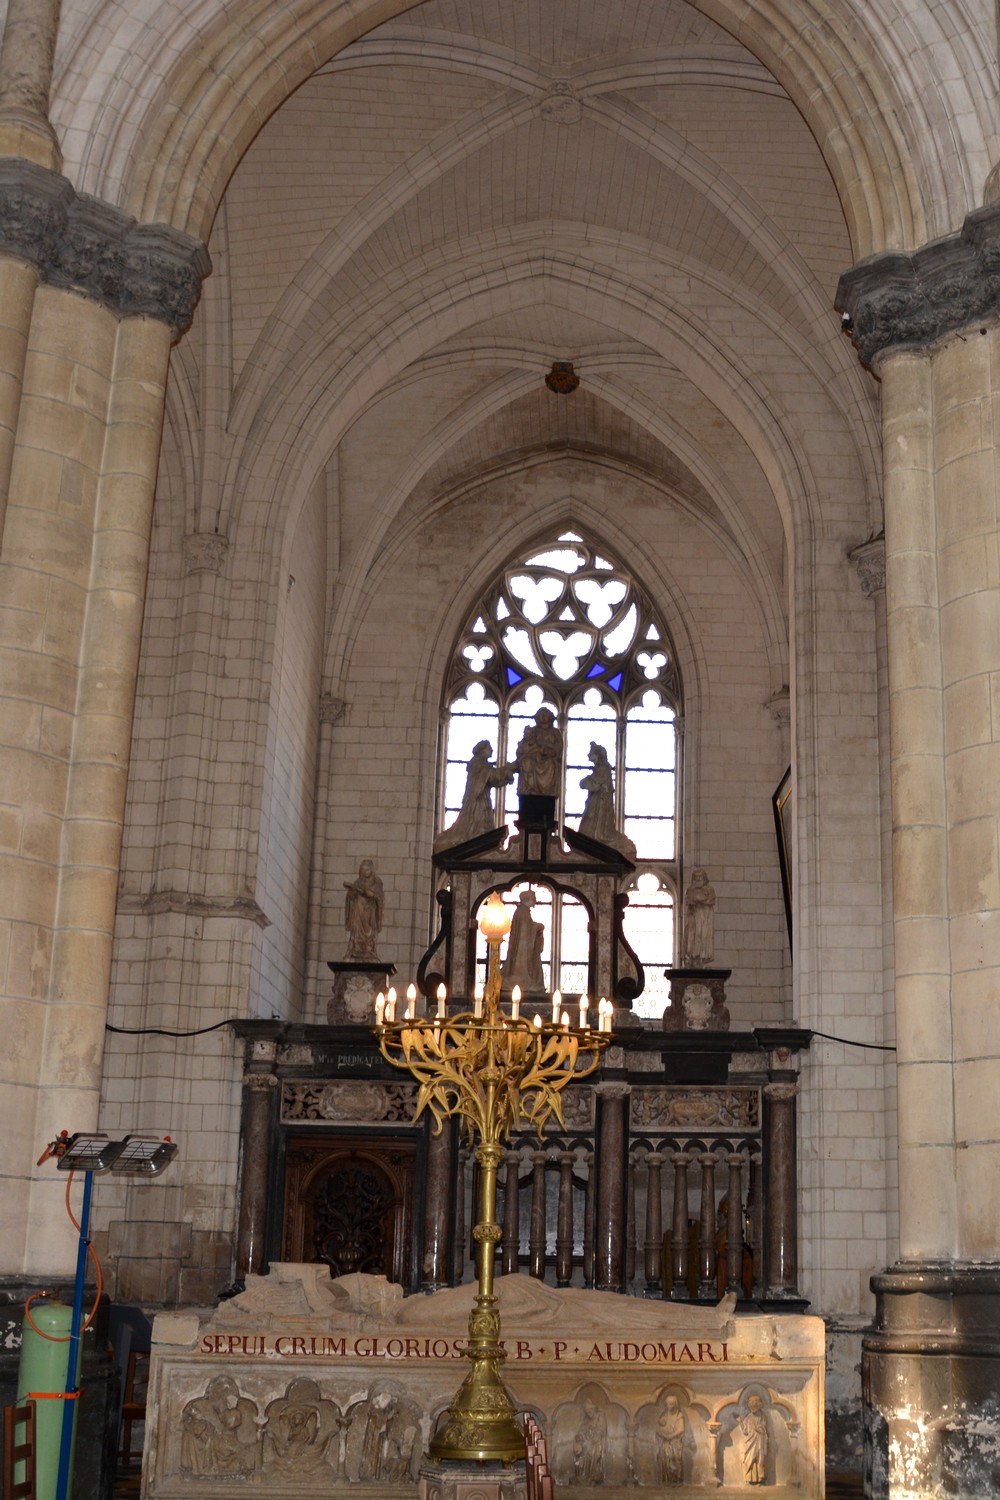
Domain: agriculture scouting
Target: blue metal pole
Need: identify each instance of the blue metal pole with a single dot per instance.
(72, 1371)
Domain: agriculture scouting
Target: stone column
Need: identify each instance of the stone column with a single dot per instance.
(510, 1254)
(259, 1094)
(610, 1199)
(679, 1228)
(439, 1204)
(29, 44)
(74, 557)
(780, 1218)
(707, 1284)
(927, 322)
(564, 1220)
(654, 1222)
(536, 1228)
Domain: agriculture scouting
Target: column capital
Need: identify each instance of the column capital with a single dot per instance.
(781, 1093)
(897, 301)
(869, 559)
(91, 247)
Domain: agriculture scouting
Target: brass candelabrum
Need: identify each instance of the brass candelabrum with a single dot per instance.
(495, 1072)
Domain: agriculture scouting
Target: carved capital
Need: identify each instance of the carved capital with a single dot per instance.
(34, 208)
(781, 1093)
(91, 247)
(869, 559)
(897, 301)
(204, 552)
(331, 709)
(779, 705)
(613, 1090)
(259, 1083)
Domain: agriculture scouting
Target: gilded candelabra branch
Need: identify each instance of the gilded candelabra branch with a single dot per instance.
(495, 1073)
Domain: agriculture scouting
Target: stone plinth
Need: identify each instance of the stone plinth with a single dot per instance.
(697, 1000)
(450, 1481)
(306, 1386)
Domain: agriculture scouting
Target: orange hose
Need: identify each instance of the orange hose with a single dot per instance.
(64, 1338)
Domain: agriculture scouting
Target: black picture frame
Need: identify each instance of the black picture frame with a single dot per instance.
(782, 803)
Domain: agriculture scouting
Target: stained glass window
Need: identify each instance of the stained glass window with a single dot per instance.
(567, 628)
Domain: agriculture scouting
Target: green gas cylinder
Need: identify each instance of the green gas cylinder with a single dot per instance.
(42, 1368)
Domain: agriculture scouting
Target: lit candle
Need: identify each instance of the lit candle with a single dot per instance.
(584, 1007)
(411, 1001)
(442, 995)
(565, 1020)
(607, 1010)
(390, 1004)
(477, 1001)
(515, 1002)
(556, 1006)
(537, 1022)
(379, 1008)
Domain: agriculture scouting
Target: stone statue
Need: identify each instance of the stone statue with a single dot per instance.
(219, 1432)
(598, 821)
(670, 1431)
(755, 1441)
(523, 964)
(539, 758)
(383, 1436)
(589, 1445)
(363, 908)
(476, 815)
(698, 947)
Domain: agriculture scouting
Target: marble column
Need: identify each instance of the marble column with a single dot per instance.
(536, 1227)
(564, 1219)
(707, 1284)
(84, 409)
(439, 1204)
(610, 1206)
(654, 1222)
(679, 1237)
(510, 1255)
(259, 1094)
(927, 324)
(780, 1219)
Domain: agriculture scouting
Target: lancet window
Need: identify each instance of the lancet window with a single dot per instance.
(565, 627)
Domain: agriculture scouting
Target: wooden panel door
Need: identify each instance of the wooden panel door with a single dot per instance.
(349, 1203)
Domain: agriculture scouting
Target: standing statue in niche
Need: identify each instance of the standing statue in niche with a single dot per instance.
(589, 1445)
(363, 908)
(755, 1441)
(477, 814)
(598, 821)
(523, 964)
(539, 757)
(698, 947)
(670, 1431)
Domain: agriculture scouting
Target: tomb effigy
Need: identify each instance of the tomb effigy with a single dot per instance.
(310, 1385)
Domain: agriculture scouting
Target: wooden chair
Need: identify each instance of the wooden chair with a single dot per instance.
(22, 1452)
(134, 1401)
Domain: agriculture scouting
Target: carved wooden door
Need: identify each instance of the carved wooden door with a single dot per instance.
(349, 1202)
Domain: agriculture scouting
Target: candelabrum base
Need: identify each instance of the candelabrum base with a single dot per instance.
(481, 1423)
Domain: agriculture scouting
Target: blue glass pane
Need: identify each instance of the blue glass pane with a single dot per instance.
(513, 677)
(616, 682)
(597, 670)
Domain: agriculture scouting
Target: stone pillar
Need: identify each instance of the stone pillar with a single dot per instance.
(780, 1218)
(536, 1228)
(259, 1093)
(707, 1285)
(679, 1238)
(29, 44)
(564, 1220)
(654, 1222)
(927, 322)
(439, 1203)
(610, 1197)
(86, 414)
(510, 1254)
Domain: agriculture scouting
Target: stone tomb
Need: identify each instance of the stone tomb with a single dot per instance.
(306, 1386)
